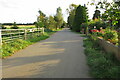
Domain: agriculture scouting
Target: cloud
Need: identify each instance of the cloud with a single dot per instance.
(26, 10)
(8, 4)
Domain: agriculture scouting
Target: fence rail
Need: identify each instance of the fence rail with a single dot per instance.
(7, 35)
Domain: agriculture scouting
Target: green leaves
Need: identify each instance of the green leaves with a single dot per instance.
(102, 65)
(114, 22)
(59, 17)
(81, 16)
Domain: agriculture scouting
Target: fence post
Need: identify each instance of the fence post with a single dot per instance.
(0, 52)
(25, 34)
(42, 30)
(0, 55)
(0, 38)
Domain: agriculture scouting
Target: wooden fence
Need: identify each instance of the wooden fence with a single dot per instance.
(7, 35)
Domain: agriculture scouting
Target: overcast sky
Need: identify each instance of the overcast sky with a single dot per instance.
(26, 11)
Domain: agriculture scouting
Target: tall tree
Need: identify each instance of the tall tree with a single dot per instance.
(96, 15)
(80, 17)
(51, 23)
(59, 17)
(71, 11)
(41, 19)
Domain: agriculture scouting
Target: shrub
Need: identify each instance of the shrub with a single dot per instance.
(111, 35)
(84, 26)
(98, 24)
(107, 34)
(47, 30)
(102, 65)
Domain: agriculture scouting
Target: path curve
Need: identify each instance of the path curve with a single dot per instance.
(60, 56)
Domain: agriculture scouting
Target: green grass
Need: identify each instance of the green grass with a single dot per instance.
(102, 64)
(11, 48)
(18, 44)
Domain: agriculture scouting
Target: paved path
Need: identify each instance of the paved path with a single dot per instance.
(60, 56)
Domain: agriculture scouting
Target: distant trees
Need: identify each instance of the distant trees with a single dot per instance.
(14, 26)
(51, 22)
(58, 18)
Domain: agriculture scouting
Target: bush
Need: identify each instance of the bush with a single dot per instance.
(111, 35)
(48, 30)
(102, 65)
(84, 27)
(98, 24)
(107, 34)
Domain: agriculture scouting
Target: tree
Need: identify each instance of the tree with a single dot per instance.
(59, 17)
(111, 11)
(14, 26)
(64, 24)
(96, 15)
(71, 11)
(41, 19)
(51, 23)
(80, 17)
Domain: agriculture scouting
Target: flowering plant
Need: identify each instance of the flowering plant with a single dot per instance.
(94, 30)
(107, 34)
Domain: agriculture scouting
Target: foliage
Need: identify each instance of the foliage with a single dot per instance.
(14, 26)
(102, 65)
(84, 27)
(71, 11)
(112, 11)
(80, 17)
(9, 49)
(47, 30)
(96, 15)
(111, 35)
(98, 24)
(36, 38)
(58, 18)
(52, 23)
(107, 34)
(41, 20)
(64, 24)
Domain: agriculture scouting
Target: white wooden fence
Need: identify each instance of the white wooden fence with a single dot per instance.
(7, 35)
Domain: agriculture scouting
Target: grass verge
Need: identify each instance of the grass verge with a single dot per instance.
(102, 64)
(18, 44)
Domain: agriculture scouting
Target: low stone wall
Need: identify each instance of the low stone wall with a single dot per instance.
(109, 47)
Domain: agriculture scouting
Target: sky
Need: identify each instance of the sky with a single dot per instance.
(26, 11)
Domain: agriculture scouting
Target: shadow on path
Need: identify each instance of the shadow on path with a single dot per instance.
(60, 56)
